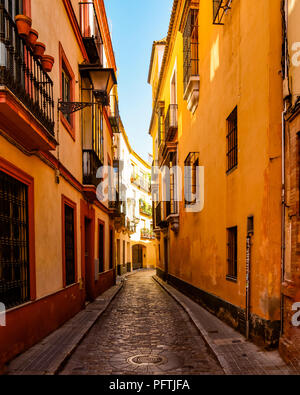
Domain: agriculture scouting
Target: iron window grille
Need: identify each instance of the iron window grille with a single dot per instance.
(190, 178)
(191, 47)
(101, 248)
(232, 140)
(14, 244)
(69, 245)
(232, 251)
(220, 8)
(111, 249)
(66, 91)
(161, 134)
(172, 206)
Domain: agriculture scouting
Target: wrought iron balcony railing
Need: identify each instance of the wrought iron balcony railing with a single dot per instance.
(113, 113)
(90, 31)
(147, 234)
(23, 74)
(91, 164)
(171, 122)
(145, 209)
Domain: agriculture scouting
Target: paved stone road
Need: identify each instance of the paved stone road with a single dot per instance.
(143, 320)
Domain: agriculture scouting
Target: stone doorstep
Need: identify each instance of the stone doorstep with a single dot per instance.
(229, 345)
(49, 355)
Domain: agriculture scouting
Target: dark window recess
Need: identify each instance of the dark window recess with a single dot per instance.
(66, 91)
(190, 48)
(69, 245)
(232, 253)
(101, 248)
(111, 249)
(124, 249)
(171, 206)
(14, 7)
(14, 244)
(232, 140)
(190, 178)
(250, 225)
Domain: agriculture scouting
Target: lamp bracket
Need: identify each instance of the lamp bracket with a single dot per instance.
(71, 107)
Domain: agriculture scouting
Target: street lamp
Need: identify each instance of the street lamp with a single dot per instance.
(102, 80)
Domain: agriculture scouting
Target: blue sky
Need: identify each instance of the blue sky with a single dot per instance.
(134, 25)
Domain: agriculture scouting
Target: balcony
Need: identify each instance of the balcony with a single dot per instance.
(171, 122)
(159, 221)
(90, 31)
(113, 114)
(140, 182)
(145, 209)
(147, 234)
(26, 91)
(91, 164)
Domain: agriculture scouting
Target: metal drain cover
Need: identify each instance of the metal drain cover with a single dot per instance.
(146, 360)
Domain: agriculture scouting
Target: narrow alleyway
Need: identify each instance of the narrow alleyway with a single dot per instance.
(143, 321)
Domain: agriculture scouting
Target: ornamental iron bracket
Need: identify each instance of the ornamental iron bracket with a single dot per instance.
(71, 107)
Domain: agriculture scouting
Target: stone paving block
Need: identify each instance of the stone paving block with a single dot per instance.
(235, 354)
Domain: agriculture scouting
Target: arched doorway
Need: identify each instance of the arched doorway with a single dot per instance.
(137, 257)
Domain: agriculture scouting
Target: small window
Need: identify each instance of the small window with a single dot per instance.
(66, 90)
(232, 253)
(232, 141)
(111, 249)
(69, 245)
(190, 178)
(101, 248)
(14, 242)
(190, 48)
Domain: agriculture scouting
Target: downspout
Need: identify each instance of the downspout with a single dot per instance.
(248, 282)
(283, 167)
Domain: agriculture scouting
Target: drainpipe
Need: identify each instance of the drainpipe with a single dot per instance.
(248, 276)
(283, 206)
(283, 169)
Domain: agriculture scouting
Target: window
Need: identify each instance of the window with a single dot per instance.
(69, 234)
(98, 138)
(111, 249)
(190, 178)
(124, 252)
(232, 141)
(232, 253)
(161, 134)
(13, 7)
(66, 90)
(14, 242)
(101, 248)
(190, 48)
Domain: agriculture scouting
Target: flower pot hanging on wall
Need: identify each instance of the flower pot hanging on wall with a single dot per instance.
(47, 63)
(23, 23)
(39, 49)
(32, 38)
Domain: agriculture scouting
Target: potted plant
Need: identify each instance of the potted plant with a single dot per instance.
(32, 38)
(47, 63)
(39, 49)
(23, 23)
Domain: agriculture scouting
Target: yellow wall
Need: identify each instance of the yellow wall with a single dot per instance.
(239, 65)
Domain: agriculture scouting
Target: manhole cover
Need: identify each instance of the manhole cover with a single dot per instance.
(142, 360)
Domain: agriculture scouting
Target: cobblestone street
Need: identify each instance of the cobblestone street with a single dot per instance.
(143, 321)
